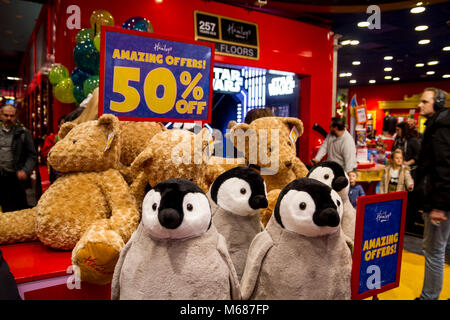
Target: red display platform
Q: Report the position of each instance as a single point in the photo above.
(45, 274)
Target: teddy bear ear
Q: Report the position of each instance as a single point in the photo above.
(231, 124)
(293, 122)
(65, 128)
(109, 121)
(139, 162)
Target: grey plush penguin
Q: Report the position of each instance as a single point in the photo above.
(302, 253)
(238, 195)
(176, 252)
(333, 175)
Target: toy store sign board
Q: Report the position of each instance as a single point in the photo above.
(232, 37)
(377, 256)
(149, 77)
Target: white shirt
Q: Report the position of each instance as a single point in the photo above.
(339, 149)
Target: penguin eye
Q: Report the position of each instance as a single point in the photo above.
(338, 203)
(189, 207)
(326, 176)
(302, 206)
(243, 191)
(154, 206)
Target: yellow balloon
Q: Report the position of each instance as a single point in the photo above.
(97, 42)
(101, 18)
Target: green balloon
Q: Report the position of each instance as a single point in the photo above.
(64, 91)
(97, 42)
(78, 94)
(90, 84)
(57, 74)
(84, 34)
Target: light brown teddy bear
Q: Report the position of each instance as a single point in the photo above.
(174, 153)
(268, 144)
(89, 209)
(134, 138)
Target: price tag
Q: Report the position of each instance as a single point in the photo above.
(146, 76)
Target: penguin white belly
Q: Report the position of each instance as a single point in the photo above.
(175, 270)
(299, 267)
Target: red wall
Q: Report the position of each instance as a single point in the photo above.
(385, 92)
(285, 45)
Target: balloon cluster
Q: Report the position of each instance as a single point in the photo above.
(84, 78)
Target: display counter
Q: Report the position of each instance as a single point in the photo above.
(369, 178)
(45, 274)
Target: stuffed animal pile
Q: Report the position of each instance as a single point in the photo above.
(90, 209)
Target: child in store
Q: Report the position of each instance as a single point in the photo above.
(396, 176)
(355, 189)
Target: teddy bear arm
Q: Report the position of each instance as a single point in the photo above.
(124, 213)
(299, 168)
(18, 226)
(137, 188)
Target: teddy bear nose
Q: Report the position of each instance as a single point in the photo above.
(328, 217)
(258, 202)
(170, 218)
(288, 164)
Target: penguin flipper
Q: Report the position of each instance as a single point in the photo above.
(258, 250)
(234, 280)
(115, 284)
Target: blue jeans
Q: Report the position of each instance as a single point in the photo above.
(435, 242)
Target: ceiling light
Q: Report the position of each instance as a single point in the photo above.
(388, 69)
(417, 10)
(388, 57)
(432, 63)
(363, 24)
(421, 28)
(447, 48)
(345, 42)
(13, 78)
(424, 41)
(354, 42)
(345, 74)
(372, 81)
(388, 77)
(353, 81)
(396, 78)
(419, 65)
(356, 63)
(419, 3)
(430, 72)
(446, 76)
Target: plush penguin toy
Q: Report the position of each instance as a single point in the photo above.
(176, 252)
(302, 253)
(333, 175)
(238, 195)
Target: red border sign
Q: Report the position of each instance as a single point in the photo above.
(153, 36)
(390, 209)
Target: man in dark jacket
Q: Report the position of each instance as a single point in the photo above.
(433, 184)
(17, 160)
(8, 286)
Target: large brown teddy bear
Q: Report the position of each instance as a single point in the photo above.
(269, 138)
(89, 209)
(174, 153)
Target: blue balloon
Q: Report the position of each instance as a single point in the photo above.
(78, 94)
(79, 76)
(139, 24)
(86, 57)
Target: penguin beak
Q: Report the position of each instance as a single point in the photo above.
(170, 218)
(258, 202)
(328, 217)
(339, 183)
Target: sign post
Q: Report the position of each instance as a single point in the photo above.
(377, 256)
(145, 76)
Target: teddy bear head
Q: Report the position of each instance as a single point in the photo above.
(89, 146)
(268, 142)
(135, 136)
(175, 153)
